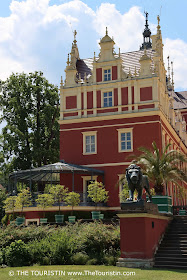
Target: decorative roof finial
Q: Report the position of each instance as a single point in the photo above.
(146, 21)
(68, 62)
(61, 82)
(158, 19)
(119, 52)
(172, 74)
(168, 69)
(75, 33)
(106, 31)
(94, 56)
(146, 35)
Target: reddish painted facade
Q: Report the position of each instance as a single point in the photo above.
(107, 132)
(146, 94)
(124, 96)
(112, 100)
(114, 73)
(90, 100)
(143, 244)
(99, 74)
(71, 102)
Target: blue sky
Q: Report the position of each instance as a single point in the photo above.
(37, 34)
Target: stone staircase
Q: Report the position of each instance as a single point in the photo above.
(172, 252)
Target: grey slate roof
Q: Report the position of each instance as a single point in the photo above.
(130, 60)
(180, 100)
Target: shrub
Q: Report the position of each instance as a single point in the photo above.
(93, 243)
(80, 258)
(40, 251)
(12, 233)
(17, 254)
(92, 262)
(98, 240)
(62, 251)
(58, 248)
(1, 257)
(4, 220)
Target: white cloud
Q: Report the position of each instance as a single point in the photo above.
(125, 28)
(37, 36)
(177, 51)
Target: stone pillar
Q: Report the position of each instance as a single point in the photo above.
(141, 228)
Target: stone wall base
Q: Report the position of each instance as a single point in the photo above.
(135, 263)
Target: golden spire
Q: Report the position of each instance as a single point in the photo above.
(75, 33)
(172, 74)
(158, 26)
(94, 56)
(61, 82)
(106, 31)
(168, 69)
(68, 62)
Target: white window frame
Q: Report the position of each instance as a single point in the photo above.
(107, 74)
(124, 130)
(27, 221)
(102, 97)
(89, 133)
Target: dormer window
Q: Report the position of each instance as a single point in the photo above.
(107, 74)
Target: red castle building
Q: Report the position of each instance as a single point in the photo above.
(112, 104)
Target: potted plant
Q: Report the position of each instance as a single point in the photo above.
(44, 201)
(161, 168)
(10, 204)
(97, 193)
(72, 199)
(22, 200)
(58, 192)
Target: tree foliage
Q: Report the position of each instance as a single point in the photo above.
(44, 201)
(30, 107)
(2, 202)
(72, 199)
(97, 192)
(59, 193)
(10, 204)
(162, 167)
(23, 199)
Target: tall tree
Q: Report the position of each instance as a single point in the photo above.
(30, 109)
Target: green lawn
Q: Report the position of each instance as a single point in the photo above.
(63, 272)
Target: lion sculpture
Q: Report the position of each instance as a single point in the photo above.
(137, 181)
